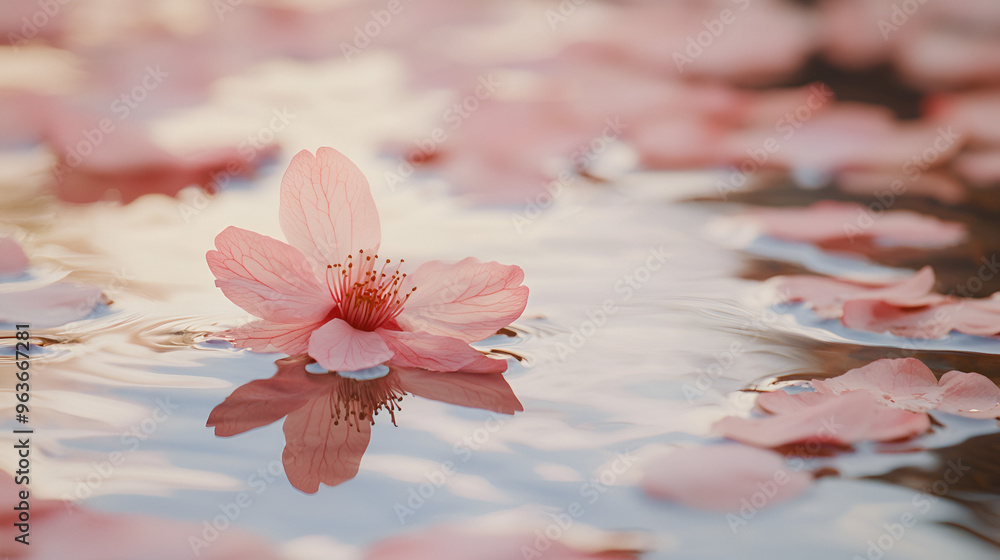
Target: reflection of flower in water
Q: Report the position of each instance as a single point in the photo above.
(328, 417)
(356, 400)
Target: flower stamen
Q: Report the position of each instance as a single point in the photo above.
(367, 298)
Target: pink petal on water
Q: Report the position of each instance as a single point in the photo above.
(904, 383)
(456, 543)
(722, 477)
(842, 420)
(468, 300)
(49, 306)
(827, 296)
(13, 261)
(969, 394)
(829, 220)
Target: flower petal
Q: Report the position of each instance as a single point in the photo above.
(267, 278)
(326, 208)
(720, 477)
(268, 336)
(829, 220)
(901, 383)
(438, 353)
(832, 419)
(339, 346)
(969, 394)
(469, 300)
(13, 261)
(321, 448)
(49, 306)
(827, 296)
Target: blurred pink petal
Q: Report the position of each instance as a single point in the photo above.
(980, 168)
(829, 220)
(267, 278)
(13, 261)
(969, 394)
(468, 300)
(841, 420)
(980, 317)
(848, 44)
(908, 384)
(904, 383)
(756, 43)
(327, 210)
(49, 306)
(121, 161)
(946, 57)
(60, 530)
(723, 477)
(975, 114)
(456, 543)
(827, 296)
(936, 185)
(846, 136)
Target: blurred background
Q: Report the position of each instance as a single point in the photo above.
(725, 142)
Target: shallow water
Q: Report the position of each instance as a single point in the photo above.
(593, 383)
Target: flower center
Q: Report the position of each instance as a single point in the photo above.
(367, 290)
(355, 401)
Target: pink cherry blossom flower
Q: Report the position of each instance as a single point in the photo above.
(328, 293)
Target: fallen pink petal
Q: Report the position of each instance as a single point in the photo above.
(826, 420)
(908, 384)
(724, 477)
(829, 221)
(13, 261)
(49, 306)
